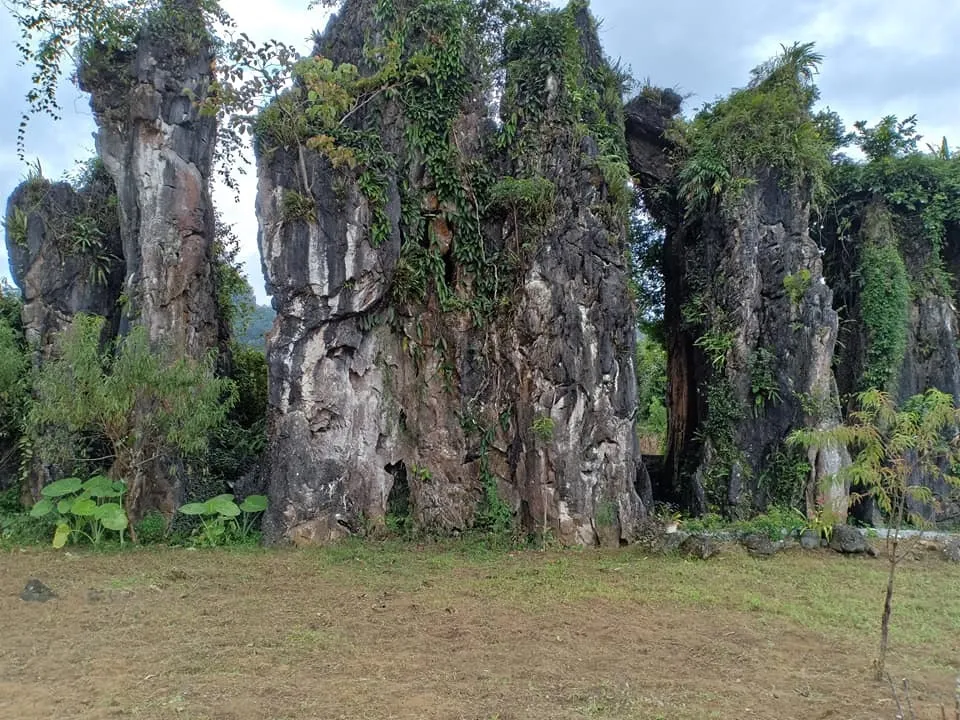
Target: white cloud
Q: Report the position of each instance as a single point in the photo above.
(882, 57)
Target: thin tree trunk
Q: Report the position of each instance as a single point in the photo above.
(892, 547)
(885, 623)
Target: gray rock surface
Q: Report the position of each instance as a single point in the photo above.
(730, 320)
(36, 591)
(158, 147)
(951, 551)
(760, 545)
(848, 540)
(370, 395)
(810, 539)
(65, 255)
(700, 547)
(68, 258)
(932, 328)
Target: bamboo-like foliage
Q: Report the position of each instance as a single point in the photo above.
(896, 452)
(138, 399)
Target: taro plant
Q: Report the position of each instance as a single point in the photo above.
(222, 518)
(83, 509)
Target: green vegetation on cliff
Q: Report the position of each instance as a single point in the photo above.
(769, 125)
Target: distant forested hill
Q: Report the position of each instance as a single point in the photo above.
(260, 321)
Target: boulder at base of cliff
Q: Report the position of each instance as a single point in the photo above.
(848, 540)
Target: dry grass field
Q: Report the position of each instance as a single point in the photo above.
(368, 630)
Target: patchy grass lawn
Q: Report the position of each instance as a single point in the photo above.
(447, 631)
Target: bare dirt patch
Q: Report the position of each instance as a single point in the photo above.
(368, 631)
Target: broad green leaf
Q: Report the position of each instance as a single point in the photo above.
(254, 503)
(66, 486)
(65, 505)
(194, 509)
(61, 535)
(84, 507)
(220, 505)
(112, 516)
(100, 486)
(44, 507)
(97, 481)
(220, 498)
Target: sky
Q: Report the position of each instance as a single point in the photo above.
(881, 57)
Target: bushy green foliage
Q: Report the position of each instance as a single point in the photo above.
(297, 206)
(776, 523)
(886, 229)
(494, 515)
(15, 226)
(920, 190)
(235, 298)
(550, 77)
(889, 138)
(15, 378)
(784, 478)
(646, 270)
(543, 427)
(724, 412)
(768, 124)
(138, 399)
(764, 385)
(796, 284)
(237, 443)
(716, 345)
(531, 196)
(651, 370)
(54, 35)
(16, 525)
(151, 529)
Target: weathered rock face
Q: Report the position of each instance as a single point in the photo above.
(750, 332)
(65, 255)
(385, 384)
(158, 148)
(768, 345)
(918, 346)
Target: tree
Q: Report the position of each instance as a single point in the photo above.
(141, 403)
(58, 36)
(895, 449)
(889, 138)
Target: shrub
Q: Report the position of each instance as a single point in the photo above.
(138, 402)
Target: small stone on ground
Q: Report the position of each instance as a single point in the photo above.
(36, 591)
(700, 547)
(951, 552)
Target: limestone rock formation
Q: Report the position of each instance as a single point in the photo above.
(158, 147)
(902, 332)
(769, 345)
(141, 253)
(749, 323)
(454, 332)
(65, 254)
